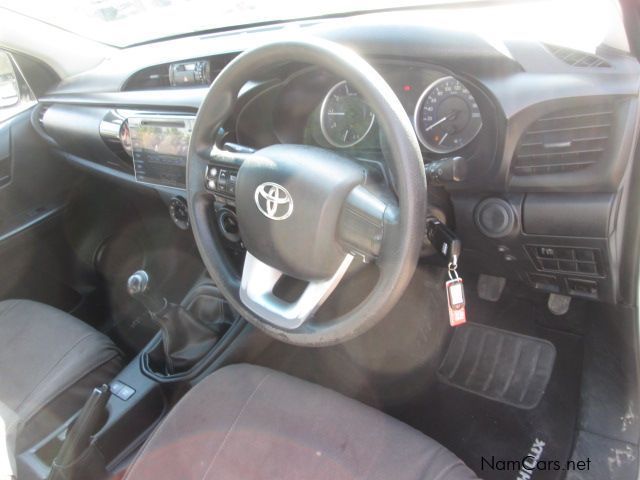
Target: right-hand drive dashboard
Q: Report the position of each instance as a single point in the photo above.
(527, 154)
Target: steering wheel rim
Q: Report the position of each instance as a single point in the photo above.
(404, 226)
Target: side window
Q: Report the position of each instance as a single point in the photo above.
(15, 94)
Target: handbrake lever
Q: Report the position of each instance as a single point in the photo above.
(79, 434)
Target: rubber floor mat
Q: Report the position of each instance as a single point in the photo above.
(486, 434)
(503, 366)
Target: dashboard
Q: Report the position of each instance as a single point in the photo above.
(545, 142)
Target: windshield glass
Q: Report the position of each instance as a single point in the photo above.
(125, 22)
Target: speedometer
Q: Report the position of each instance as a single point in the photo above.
(345, 118)
(447, 116)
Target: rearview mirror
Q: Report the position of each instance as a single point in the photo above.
(9, 89)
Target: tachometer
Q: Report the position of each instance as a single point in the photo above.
(447, 116)
(345, 118)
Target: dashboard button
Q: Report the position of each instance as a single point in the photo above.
(122, 390)
(546, 252)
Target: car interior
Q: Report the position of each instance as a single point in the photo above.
(357, 240)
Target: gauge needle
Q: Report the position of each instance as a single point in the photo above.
(451, 116)
(335, 113)
(346, 134)
(443, 137)
(433, 125)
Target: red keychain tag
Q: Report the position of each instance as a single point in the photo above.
(455, 299)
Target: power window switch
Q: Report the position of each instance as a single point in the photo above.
(116, 387)
(122, 390)
(127, 392)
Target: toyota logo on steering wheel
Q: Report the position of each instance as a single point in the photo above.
(273, 201)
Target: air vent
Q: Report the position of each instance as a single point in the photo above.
(576, 58)
(566, 140)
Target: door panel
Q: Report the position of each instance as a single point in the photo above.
(5, 156)
(32, 184)
(34, 187)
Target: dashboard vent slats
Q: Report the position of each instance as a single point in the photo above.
(576, 58)
(567, 140)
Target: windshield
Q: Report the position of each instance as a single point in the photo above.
(123, 23)
(126, 22)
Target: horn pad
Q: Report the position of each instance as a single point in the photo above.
(288, 201)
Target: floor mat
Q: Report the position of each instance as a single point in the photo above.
(492, 437)
(499, 365)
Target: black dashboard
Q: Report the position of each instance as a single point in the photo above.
(545, 133)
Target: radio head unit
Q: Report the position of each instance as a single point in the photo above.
(160, 145)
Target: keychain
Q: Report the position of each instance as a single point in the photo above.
(455, 296)
(447, 244)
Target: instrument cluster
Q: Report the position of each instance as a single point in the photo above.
(451, 114)
(446, 116)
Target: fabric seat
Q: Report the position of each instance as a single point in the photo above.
(49, 362)
(247, 422)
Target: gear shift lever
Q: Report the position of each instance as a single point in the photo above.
(185, 340)
(138, 288)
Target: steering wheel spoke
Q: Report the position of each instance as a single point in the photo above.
(257, 293)
(361, 227)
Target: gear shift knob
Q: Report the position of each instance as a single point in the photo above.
(185, 340)
(138, 287)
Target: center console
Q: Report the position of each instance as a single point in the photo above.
(158, 145)
(123, 414)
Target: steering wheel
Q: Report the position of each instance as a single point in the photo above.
(307, 212)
